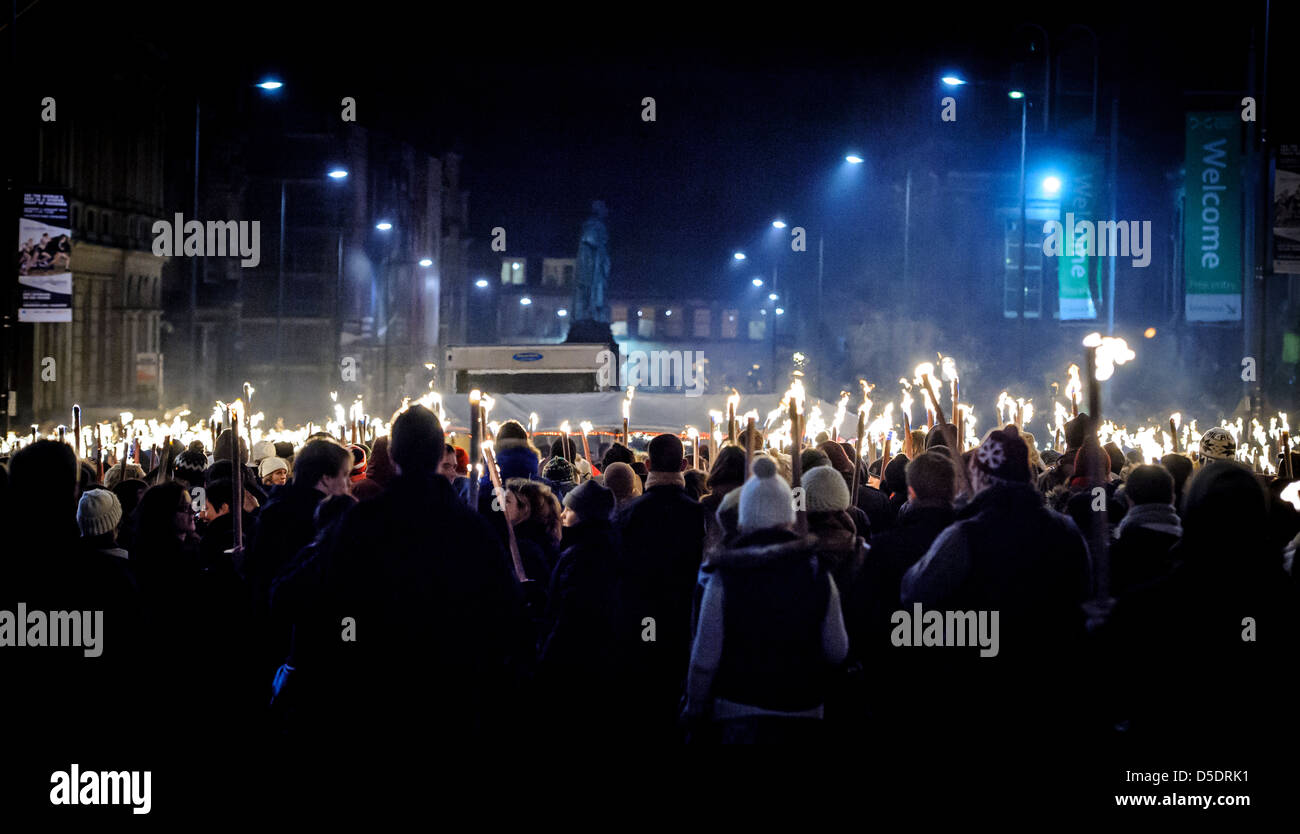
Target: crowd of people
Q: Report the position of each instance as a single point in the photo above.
(374, 595)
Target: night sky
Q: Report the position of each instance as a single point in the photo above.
(755, 110)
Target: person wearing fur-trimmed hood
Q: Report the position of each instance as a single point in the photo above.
(770, 631)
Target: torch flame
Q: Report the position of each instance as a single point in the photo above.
(948, 368)
(1110, 352)
(1073, 387)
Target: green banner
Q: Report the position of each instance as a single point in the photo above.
(1076, 267)
(1212, 217)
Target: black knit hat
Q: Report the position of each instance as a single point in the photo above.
(896, 474)
(591, 501)
(559, 470)
(666, 453)
(190, 466)
(1004, 455)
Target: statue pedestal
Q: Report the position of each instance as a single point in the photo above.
(590, 332)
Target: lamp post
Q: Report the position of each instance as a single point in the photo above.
(1020, 296)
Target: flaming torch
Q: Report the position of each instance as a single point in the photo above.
(499, 493)
(475, 444)
(924, 372)
(586, 450)
(237, 484)
(733, 402)
(1072, 388)
(694, 436)
(948, 371)
(627, 412)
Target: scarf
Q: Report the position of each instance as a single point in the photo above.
(1158, 517)
(655, 479)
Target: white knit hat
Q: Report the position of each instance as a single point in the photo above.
(98, 512)
(765, 500)
(263, 450)
(824, 490)
(1217, 444)
(269, 465)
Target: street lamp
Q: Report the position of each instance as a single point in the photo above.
(758, 282)
(778, 224)
(426, 262)
(740, 256)
(338, 174)
(384, 226)
(481, 283)
(953, 80)
(270, 85)
(854, 159)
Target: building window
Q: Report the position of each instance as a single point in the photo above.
(645, 323)
(702, 328)
(730, 324)
(1034, 260)
(757, 329)
(514, 271)
(674, 323)
(557, 272)
(618, 320)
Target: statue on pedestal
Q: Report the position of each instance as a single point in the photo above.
(591, 278)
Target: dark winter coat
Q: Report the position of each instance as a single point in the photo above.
(438, 619)
(840, 548)
(1202, 655)
(876, 505)
(537, 550)
(662, 533)
(576, 662)
(874, 596)
(1009, 554)
(284, 526)
(1143, 551)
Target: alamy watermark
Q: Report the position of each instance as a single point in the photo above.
(106, 787)
(216, 238)
(653, 369)
(1084, 238)
(946, 628)
(24, 628)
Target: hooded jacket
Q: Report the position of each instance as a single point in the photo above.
(770, 630)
